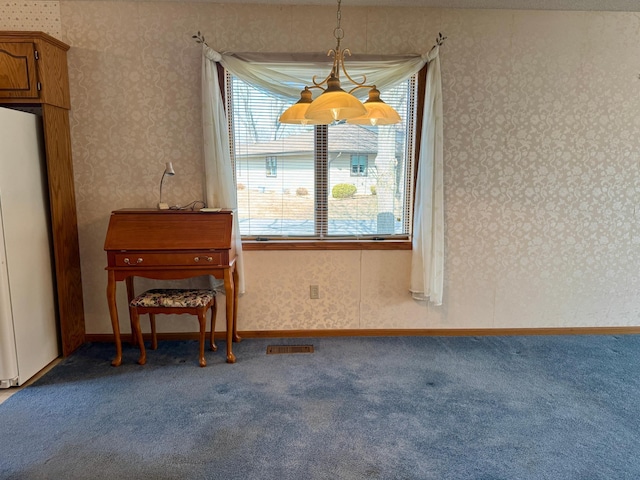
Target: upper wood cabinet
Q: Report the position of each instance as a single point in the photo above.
(33, 73)
(33, 69)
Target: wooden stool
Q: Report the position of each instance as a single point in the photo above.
(177, 301)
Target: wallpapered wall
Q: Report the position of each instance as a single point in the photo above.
(542, 180)
(43, 16)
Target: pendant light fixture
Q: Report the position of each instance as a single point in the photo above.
(336, 104)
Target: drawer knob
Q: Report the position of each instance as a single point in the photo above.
(128, 262)
(208, 259)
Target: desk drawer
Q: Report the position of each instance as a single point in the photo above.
(145, 259)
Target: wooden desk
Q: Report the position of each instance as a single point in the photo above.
(171, 245)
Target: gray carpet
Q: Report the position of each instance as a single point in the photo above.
(560, 407)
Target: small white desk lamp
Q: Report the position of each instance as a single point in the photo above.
(167, 171)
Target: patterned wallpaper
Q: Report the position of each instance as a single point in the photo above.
(42, 16)
(542, 171)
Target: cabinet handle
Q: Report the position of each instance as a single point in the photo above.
(128, 262)
(209, 259)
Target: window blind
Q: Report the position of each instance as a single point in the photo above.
(297, 181)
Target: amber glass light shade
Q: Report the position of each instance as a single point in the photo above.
(378, 112)
(334, 104)
(295, 114)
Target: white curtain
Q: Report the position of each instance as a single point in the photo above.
(219, 185)
(427, 261)
(286, 75)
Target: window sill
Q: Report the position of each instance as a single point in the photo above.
(253, 245)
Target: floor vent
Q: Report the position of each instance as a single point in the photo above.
(274, 349)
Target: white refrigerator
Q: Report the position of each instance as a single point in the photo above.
(28, 328)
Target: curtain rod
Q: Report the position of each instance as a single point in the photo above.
(199, 38)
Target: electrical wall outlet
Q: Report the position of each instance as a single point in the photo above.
(314, 292)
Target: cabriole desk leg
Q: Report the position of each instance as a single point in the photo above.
(113, 311)
(236, 337)
(229, 293)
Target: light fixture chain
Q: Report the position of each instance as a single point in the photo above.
(338, 33)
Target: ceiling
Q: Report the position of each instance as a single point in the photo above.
(598, 5)
(576, 5)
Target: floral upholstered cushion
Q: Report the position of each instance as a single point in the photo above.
(175, 297)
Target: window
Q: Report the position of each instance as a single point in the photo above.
(339, 181)
(359, 165)
(272, 166)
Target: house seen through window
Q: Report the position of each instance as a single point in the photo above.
(324, 181)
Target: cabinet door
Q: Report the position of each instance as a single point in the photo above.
(18, 75)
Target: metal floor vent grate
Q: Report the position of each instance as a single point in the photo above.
(274, 349)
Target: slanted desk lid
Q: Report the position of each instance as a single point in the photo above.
(135, 229)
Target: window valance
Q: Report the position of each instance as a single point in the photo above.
(286, 74)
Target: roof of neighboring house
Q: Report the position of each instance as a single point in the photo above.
(348, 138)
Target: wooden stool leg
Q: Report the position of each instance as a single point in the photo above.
(202, 318)
(137, 334)
(154, 338)
(214, 311)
